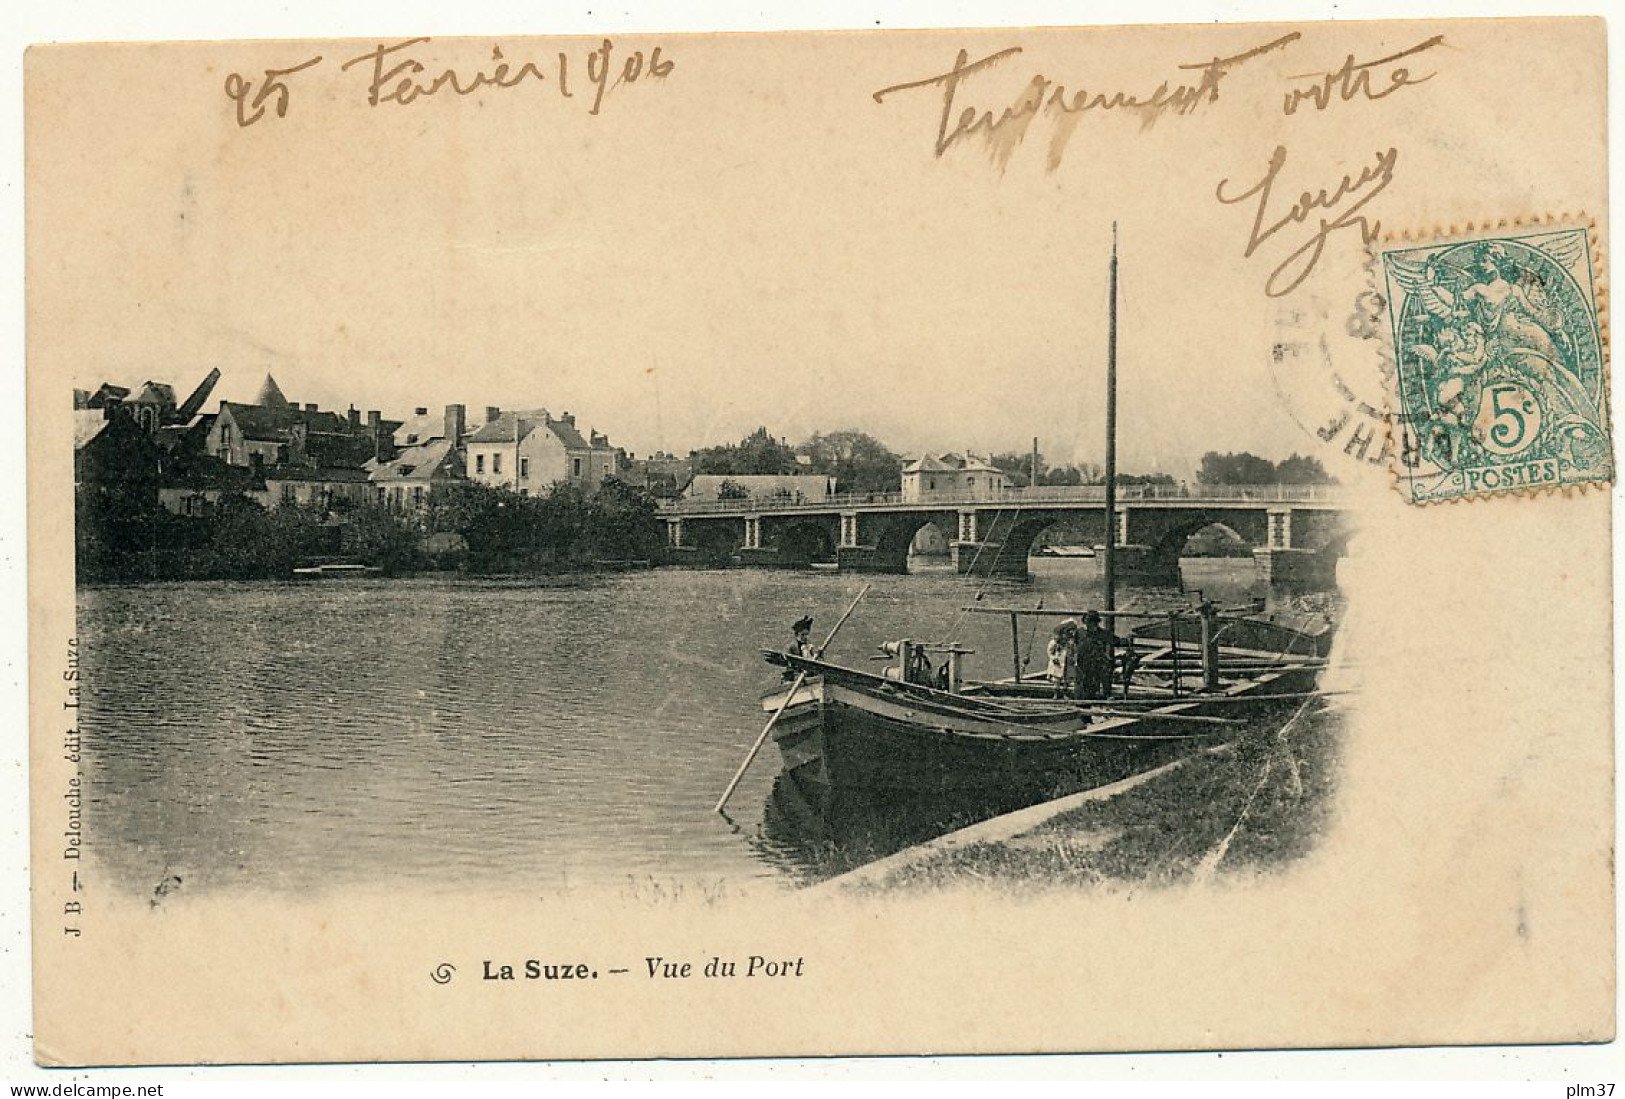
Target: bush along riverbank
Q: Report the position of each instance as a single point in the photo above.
(467, 527)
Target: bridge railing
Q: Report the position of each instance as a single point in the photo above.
(1041, 494)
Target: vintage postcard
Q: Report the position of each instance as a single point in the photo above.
(820, 543)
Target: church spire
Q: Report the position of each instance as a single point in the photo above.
(270, 395)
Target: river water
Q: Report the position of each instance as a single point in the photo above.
(459, 732)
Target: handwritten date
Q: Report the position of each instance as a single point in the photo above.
(251, 103)
(396, 76)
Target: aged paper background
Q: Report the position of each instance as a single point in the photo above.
(1465, 893)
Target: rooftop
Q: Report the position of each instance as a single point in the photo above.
(508, 426)
(420, 462)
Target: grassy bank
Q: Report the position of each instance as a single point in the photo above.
(1256, 804)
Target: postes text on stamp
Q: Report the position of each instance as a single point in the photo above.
(1499, 363)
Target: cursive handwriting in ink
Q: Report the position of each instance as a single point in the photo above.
(949, 81)
(250, 111)
(396, 74)
(1341, 206)
(1352, 80)
(1001, 128)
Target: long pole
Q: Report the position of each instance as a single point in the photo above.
(790, 694)
(1111, 441)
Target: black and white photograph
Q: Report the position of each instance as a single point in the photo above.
(535, 532)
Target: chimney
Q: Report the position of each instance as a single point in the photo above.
(569, 418)
(383, 446)
(420, 412)
(310, 407)
(491, 413)
(374, 420)
(455, 416)
(354, 417)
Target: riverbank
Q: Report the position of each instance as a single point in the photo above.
(1252, 805)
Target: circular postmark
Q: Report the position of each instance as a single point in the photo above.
(1327, 362)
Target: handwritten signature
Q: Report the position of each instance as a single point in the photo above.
(399, 78)
(1340, 203)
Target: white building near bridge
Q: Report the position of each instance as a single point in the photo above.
(960, 476)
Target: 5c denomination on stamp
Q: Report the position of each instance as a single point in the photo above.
(1499, 362)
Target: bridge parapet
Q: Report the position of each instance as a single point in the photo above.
(1041, 496)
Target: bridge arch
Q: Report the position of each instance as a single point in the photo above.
(1019, 534)
(884, 538)
(894, 536)
(1170, 544)
(1219, 534)
(803, 540)
(713, 541)
(931, 540)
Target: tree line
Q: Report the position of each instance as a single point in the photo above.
(119, 538)
(858, 462)
(1242, 468)
(862, 463)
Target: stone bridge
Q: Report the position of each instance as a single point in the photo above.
(1297, 531)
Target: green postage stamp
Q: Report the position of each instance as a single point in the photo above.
(1499, 363)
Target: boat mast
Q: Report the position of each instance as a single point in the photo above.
(1110, 570)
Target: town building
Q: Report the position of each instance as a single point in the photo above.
(115, 462)
(422, 426)
(153, 408)
(171, 467)
(529, 451)
(956, 476)
(105, 394)
(303, 454)
(313, 485)
(407, 483)
(429, 456)
(661, 474)
(193, 484)
(276, 431)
